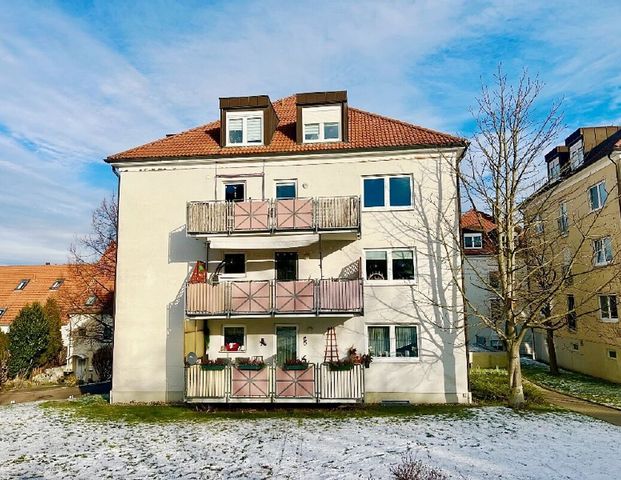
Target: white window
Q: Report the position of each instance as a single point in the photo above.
(576, 155)
(57, 284)
(597, 196)
(602, 251)
(393, 341)
(473, 240)
(286, 189)
(608, 308)
(393, 264)
(392, 192)
(22, 284)
(538, 223)
(563, 219)
(234, 338)
(90, 301)
(322, 124)
(244, 128)
(554, 170)
(234, 265)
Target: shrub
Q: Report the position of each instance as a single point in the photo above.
(4, 358)
(102, 362)
(51, 356)
(410, 469)
(28, 340)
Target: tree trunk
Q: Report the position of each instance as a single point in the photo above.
(551, 352)
(516, 391)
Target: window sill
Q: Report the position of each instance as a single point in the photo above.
(388, 283)
(232, 276)
(609, 320)
(600, 265)
(396, 360)
(331, 140)
(387, 209)
(224, 350)
(232, 145)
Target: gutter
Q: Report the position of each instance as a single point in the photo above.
(618, 174)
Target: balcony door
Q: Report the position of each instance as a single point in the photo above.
(286, 343)
(286, 266)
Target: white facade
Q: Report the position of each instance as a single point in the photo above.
(81, 347)
(156, 255)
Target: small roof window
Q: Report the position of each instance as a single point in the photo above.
(22, 284)
(90, 301)
(2, 310)
(57, 283)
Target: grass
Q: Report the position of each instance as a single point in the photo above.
(97, 408)
(491, 387)
(576, 384)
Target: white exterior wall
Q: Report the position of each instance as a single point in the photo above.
(155, 257)
(80, 350)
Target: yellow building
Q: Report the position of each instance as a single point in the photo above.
(579, 212)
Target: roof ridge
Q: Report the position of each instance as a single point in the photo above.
(407, 124)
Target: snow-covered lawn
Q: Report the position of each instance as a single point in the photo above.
(491, 443)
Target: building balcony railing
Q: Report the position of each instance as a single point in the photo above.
(261, 216)
(274, 297)
(272, 384)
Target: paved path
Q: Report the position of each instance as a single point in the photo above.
(32, 395)
(601, 412)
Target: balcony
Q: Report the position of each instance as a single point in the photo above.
(274, 297)
(274, 384)
(324, 214)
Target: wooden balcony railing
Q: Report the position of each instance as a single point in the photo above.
(273, 297)
(296, 214)
(317, 383)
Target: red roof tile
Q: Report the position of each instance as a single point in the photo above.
(366, 131)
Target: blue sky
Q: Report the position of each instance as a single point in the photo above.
(82, 80)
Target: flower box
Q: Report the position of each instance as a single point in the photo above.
(300, 366)
(249, 367)
(212, 367)
(340, 368)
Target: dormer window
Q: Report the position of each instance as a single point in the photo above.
(57, 284)
(90, 301)
(22, 284)
(244, 128)
(576, 155)
(322, 124)
(2, 310)
(473, 241)
(554, 170)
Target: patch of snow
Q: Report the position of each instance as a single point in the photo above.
(492, 443)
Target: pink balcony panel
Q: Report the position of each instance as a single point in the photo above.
(250, 383)
(295, 383)
(250, 297)
(294, 214)
(251, 215)
(296, 296)
(340, 295)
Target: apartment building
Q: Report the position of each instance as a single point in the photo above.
(258, 251)
(578, 210)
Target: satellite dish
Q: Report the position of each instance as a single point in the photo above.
(191, 358)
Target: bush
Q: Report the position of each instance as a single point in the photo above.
(410, 469)
(492, 385)
(51, 356)
(4, 358)
(28, 340)
(102, 362)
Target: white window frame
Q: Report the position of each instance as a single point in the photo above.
(235, 182)
(599, 196)
(57, 284)
(608, 319)
(234, 276)
(563, 219)
(293, 181)
(322, 139)
(244, 116)
(610, 357)
(554, 170)
(596, 263)
(22, 284)
(538, 225)
(390, 280)
(386, 178)
(244, 346)
(576, 155)
(473, 235)
(393, 343)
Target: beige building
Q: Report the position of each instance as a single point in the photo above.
(579, 212)
(256, 251)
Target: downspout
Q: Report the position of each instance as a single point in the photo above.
(116, 273)
(618, 174)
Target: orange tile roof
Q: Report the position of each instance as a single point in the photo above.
(476, 221)
(367, 131)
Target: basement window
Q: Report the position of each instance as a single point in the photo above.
(612, 354)
(22, 284)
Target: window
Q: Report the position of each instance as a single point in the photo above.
(234, 192)
(554, 170)
(576, 155)
(602, 251)
(244, 128)
(495, 309)
(393, 191)
(311, 131)
(473, 240)
(22, 284)
(608, 308)
(286, 189)
(612, 354)
(597, 196)
(571, 313)
(57, 284)
(538, 225)
(563, 219)
(107, 332)
(331, 131)
(234, 338)
(234, 264)
(286, 266)
(479, 340)
(2, 310)
(390, 264)
(567, 264)
(575, 346)
(393, 341)
(322, 123)
(90, 301)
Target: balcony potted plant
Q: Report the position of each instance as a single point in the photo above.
(249, 364)
(217, 364)
(295, 364)
(366, 358)
(341, 365)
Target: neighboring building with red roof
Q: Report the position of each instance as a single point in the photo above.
(284, 232)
